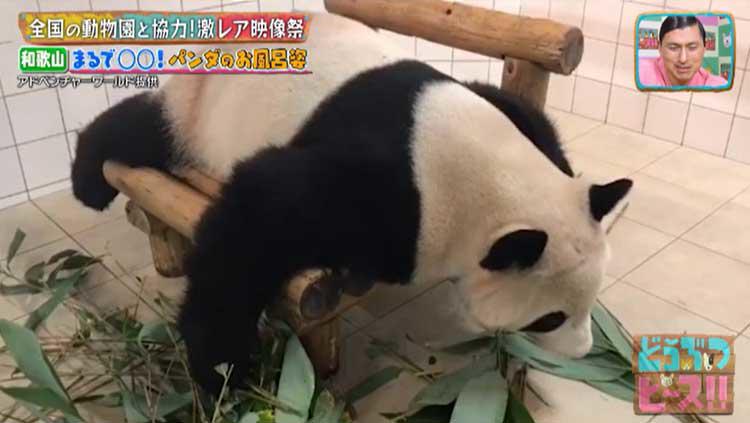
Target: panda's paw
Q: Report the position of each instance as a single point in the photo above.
(97, 195)
(89, 185)
(212, 377)
(213, 367)
(214, 351)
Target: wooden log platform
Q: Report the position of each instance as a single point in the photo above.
(553, 46)
(167, 207)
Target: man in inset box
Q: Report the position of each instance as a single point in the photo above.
(682, 44)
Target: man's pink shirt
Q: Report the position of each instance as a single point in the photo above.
(652, 72)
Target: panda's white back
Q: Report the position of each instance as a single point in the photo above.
(268, 109)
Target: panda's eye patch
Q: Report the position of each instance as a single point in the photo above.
(546, 323)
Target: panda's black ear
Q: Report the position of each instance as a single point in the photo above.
(604, 198)
(521, 248)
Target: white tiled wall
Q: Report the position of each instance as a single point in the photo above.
(38, 127)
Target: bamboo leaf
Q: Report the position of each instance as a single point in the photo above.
(373, 383)
(430, 414)
(34, 274)
(601, 342)
(41, 397)
(113, 399)
(611, 329)
(171, 402)
(154, 332)
(604, 367)
(622, 388)
(78, 261)
(61, 255)
(28, 355)
(15, 245)
(19, 289)
(327, 409)
(41, 313)
(250, 417)
(468, 347)
(137, 408)
(483, 399)
(446, 388)
(517, 411)
(296, 384)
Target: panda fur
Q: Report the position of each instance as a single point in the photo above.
(375, 164)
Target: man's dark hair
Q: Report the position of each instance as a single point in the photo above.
(678, 22)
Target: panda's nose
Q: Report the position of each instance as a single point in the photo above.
(546, 323)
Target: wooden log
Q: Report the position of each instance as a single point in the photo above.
(525, 80)
(137, 217)
(289, 308)
(322, 345)
(172, 202)
(207, 184)
(554, 46)
(168, 248)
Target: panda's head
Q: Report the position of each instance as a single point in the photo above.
(542, 276)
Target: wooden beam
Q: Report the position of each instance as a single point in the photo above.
(207, 184)
(168, 247)
(552, 45)
(526, 80)
(169, 200)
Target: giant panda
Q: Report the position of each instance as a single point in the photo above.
(374, 164)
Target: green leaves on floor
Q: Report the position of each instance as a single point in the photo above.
(140, 367)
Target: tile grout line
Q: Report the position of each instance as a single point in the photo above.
(645, 112)
(73, 238)
(614, 62)
(575, 74)
(394, 309)
(675, 304)
(3, 197)
(583, 134)
(632, 172)
(15, 143)
(27, 91)
(638, 91)
(679, 237)
(696, 244)
(617, 125)
(660, 138)
(734, 113)
(687, 119)
(65, 129)
(653, 136)
(48, 184)
(35, 140)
